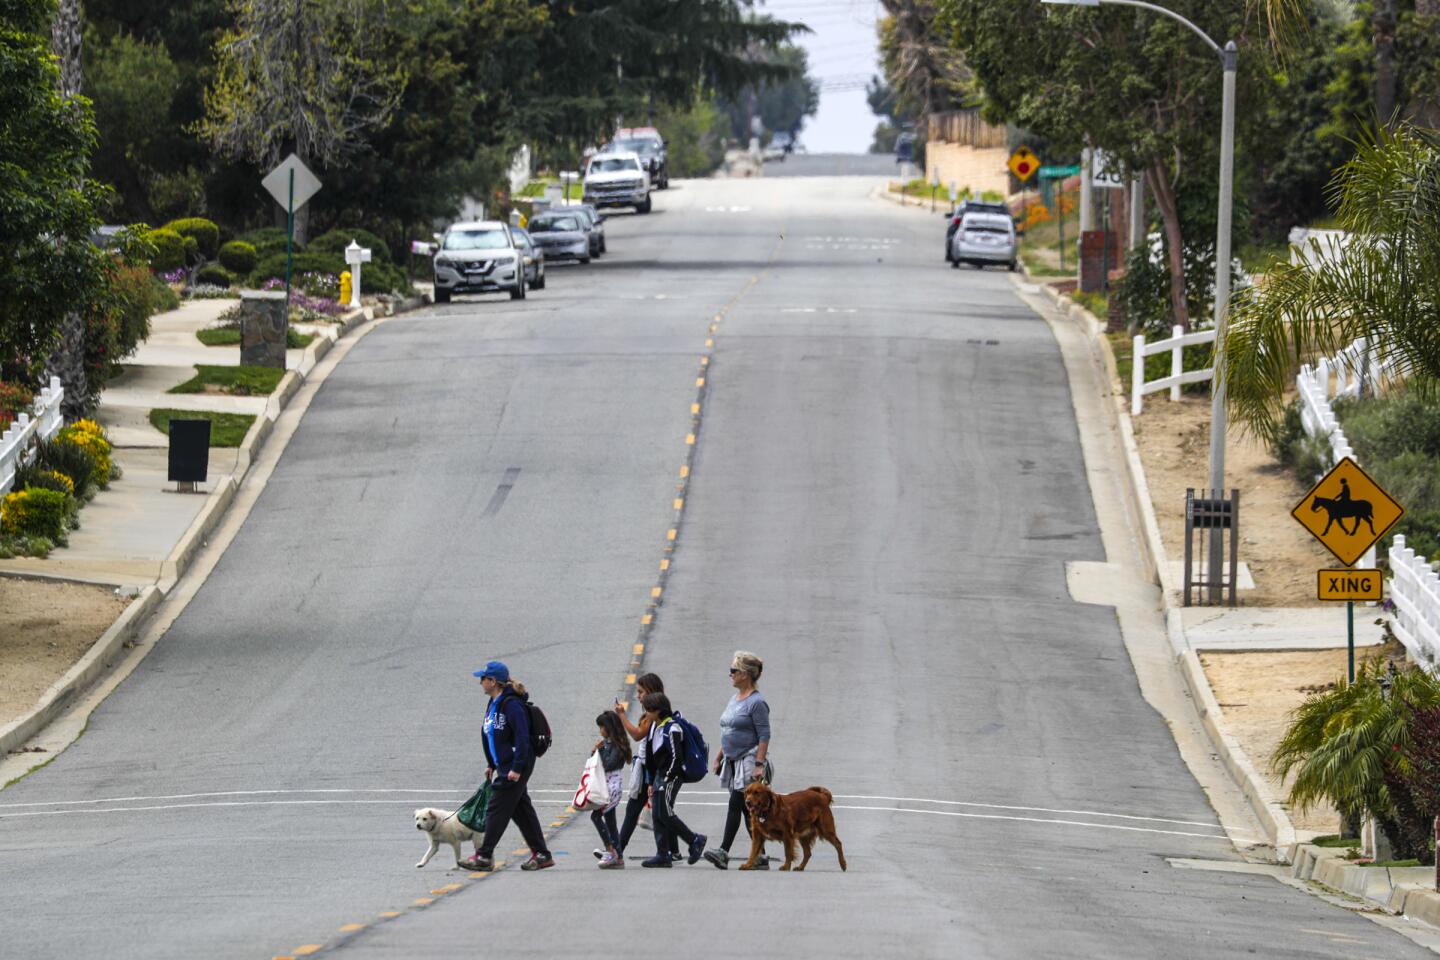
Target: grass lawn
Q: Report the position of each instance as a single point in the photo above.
(236, 381)
(230, 337)
(1335, 840)
(226, 429)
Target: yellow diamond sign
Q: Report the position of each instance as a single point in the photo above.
(1024, 164)
(1347, 511)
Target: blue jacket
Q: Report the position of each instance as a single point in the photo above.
(507, 734)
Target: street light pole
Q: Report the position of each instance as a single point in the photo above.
(1229, 56)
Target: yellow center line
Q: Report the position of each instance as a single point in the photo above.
(352, 927)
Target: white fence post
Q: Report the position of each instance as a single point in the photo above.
(1177, 361)
(1137, 374)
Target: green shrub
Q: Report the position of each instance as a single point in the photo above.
(238, 257)
(1292, 429)
(1383, 428)
(267, 240)
(1421, 529)
(204, 232)
(272, 266)
(213, 273)
(75, 462)
(30, 475)
(35, 512)
(169, 250)
(162, 296)
(335, 241)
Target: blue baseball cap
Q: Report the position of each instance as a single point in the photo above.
(495, 670)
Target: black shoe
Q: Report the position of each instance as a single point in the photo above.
(538, 861)
(657, 861)
(675, 856)
(478, 863)
(697, 848)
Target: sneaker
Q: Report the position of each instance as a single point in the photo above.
(659, 860)
(612, 862)
(477, 862)
(538, 861)
(675, 856)
(762, 862)
(718, 857)
(697, 848)
(599, 853)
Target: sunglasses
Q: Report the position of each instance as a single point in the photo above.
(735, 670)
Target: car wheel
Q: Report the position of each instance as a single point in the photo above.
(442, 296)
(955, 263)
(604, 247)
(643, 207)
(585, 259)
(519, 292)
(1014, 266)
(539, 283)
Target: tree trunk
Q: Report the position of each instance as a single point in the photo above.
(1158, 179)
(67, 360)
(1383, 23)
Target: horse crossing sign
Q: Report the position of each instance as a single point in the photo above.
(1347, 511)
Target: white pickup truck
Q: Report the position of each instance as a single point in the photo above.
(617, 180)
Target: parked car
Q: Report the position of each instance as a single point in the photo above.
(985, 238)
(955, 216)
(617, 180)
(597, 226)
(480, 256)
(561, 234)
(534, 258)
(646, 143)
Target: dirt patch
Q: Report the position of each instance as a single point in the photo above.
(1174, 442)
(44, 629)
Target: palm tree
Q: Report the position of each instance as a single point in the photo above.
(1348, 746)
(1384, 285)
(926, 73)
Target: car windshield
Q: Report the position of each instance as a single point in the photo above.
(522, 239)
(637, 146)
(476, 240)
(555, 225)
(613, 164)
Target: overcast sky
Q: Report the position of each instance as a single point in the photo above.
(843, 53)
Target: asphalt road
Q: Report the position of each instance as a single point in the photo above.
(886, 487)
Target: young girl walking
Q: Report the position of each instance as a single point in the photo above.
(614, 747)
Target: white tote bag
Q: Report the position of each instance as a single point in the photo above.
(594, 790)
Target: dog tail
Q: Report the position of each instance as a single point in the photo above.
(829, 797)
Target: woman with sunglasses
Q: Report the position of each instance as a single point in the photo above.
(744, 742)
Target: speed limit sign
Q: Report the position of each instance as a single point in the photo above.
(1105, 172)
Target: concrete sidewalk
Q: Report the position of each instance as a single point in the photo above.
(1278, 628)
(127, 532)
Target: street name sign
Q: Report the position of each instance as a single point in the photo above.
(1346, 584)
(1347, 511)
(1023, 163)
(277, 183)
(1059, 173)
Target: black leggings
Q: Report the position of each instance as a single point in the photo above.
(733, 817)
(633, 808)
(668, 826)
(604, 821)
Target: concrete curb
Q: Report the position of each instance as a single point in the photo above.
(1408, 891)
(70, 687)
(1266, 807)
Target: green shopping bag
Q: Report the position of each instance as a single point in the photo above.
(472, 814)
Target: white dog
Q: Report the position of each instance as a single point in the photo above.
(442, 826)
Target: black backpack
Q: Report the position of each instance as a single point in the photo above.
(539, 730)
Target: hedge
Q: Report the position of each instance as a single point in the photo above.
(169, 250)
(204, 232)
(35, 512)
(375, 277)
(214, 273)
(238, 257)
(335, 241)
(267, 240)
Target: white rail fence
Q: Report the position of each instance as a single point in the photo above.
(18, 442)
(1175, 346)
(1349, 369)
(1415, 591)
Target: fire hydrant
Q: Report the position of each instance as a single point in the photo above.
(345, 286)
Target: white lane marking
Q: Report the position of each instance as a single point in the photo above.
(838, 806)
(466, 792)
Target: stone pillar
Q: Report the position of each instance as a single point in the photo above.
(264, 327)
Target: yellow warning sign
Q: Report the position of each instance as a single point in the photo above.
(1347, 511)
(1024, 164)
(1346, 584)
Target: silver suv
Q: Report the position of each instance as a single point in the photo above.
(481, 256)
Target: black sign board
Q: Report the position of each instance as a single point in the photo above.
(189, 450)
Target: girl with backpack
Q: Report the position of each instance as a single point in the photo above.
(665, 760)
(744, 742)
(639, 792)
(510, 761)
(614, 749)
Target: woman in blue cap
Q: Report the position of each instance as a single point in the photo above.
(509, 763)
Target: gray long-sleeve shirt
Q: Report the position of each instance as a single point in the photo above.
(744, 725)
